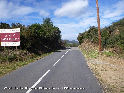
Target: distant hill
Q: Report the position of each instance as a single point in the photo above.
(72, 43)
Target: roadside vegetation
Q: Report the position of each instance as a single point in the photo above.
(37, 41)
(112, 36)
(108, 64)
(22, 58)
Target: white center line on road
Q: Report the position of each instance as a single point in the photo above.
(62, 56)
(30, 89)
(40, 79)
(56, 62)
(66, 52)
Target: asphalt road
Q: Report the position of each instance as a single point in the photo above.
(64, 71)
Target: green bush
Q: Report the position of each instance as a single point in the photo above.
(37, 38)
(108, 53)
(12, 57)
(111, 37)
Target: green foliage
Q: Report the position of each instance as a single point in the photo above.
(112, 36)
(80, 38)
(91, 35)
(12, 57)
(4, 26)
(108, 53)
(91, 53)
(5, 68)
(38, 38)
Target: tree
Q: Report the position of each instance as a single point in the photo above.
(4, 26)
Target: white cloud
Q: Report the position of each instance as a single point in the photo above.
(72, 8)
(9, 9)
(44, 13)
(115, 11)
(4, 9)
(90, 21)
(70, 30)
(23, 10)
(14, 10)
(71, 36)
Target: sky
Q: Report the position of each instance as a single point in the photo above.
(71, 16)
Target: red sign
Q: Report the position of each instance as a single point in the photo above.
(10, 37)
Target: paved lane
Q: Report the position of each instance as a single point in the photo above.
(65, 71)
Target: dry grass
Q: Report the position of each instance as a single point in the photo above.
(6, 67)
(108, 69)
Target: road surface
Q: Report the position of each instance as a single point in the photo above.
(64, 71)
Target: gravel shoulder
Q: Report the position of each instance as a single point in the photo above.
(109, 70)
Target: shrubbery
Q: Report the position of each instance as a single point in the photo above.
(112, 36)
(37, 38)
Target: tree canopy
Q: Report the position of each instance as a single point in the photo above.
(38, 37)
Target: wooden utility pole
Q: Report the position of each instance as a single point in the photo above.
(98, 21)
(0, 39)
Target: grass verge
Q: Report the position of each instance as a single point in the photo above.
(6, 67)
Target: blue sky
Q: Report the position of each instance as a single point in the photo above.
(71, 16)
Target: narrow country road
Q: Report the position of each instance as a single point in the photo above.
(64, 71)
